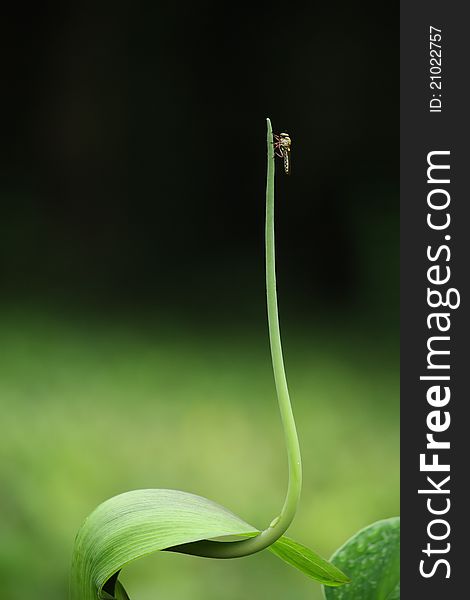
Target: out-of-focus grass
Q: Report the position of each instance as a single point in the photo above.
(91, 409)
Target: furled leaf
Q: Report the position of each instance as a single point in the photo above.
(371, 558)
(137, 523)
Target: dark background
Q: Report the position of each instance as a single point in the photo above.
(133, 155)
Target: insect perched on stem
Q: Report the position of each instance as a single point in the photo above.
(282, 149)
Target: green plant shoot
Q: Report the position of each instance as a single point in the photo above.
(137, 523)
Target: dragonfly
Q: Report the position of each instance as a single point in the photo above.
(282, 149)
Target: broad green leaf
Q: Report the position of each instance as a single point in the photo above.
(137, 523)
(371, 558)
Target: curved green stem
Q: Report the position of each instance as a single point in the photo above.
(213, 549)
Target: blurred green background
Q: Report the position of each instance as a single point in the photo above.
(92, 408)
(134, 348)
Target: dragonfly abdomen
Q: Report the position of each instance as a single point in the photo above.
(286, 155)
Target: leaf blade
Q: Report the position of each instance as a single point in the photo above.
(371, 558)
(308, 562)
(137, 523)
